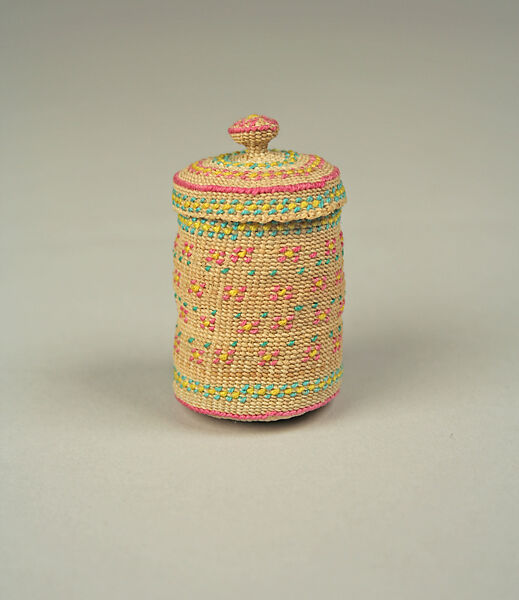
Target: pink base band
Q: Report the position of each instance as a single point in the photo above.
(263, 417)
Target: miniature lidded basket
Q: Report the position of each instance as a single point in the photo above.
(258, 280)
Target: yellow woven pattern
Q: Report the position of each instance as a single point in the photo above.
(257, 170)
(270, 228)
(275, 207)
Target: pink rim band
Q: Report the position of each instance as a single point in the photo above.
(263, 417)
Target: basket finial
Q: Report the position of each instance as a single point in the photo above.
(254, 132)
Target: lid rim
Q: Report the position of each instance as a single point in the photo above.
(261, 209)
(294, 187)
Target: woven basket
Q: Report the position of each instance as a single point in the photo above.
(258, 280)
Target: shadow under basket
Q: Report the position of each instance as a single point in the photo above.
(258, 280)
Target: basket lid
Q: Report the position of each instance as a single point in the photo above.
(258, 184)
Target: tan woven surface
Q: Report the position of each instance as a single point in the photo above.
(255, 133)
(259, 326)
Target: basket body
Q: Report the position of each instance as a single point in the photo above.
(259, 330)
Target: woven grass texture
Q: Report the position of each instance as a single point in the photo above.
(259, 333)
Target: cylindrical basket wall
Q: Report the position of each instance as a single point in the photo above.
(258, 280)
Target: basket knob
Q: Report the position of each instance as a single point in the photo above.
(254, 132)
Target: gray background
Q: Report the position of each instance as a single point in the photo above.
(406, 486)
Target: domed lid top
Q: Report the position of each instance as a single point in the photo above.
(258, 184)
